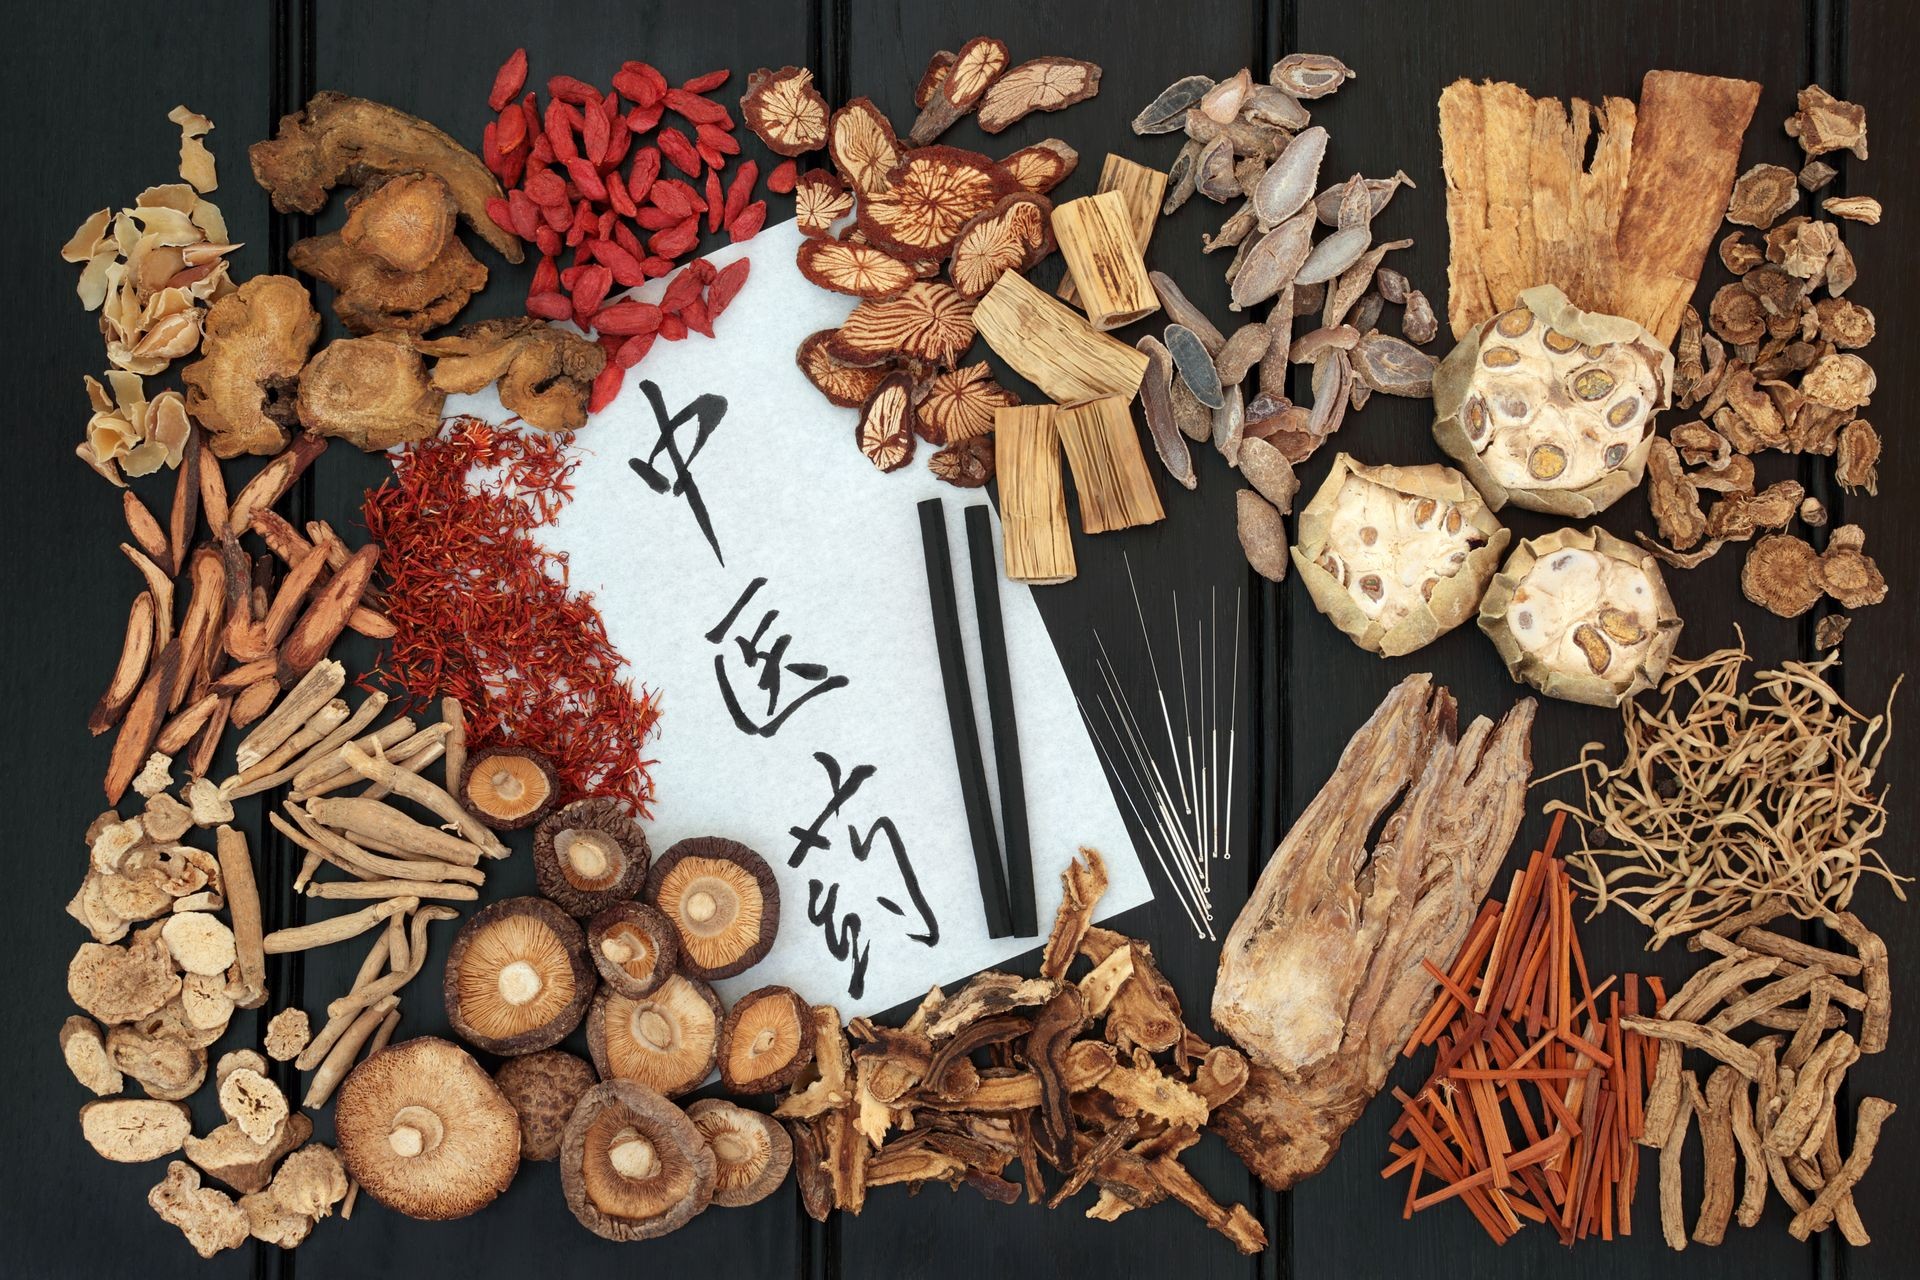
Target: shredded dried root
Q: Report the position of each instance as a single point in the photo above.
(1735, 799)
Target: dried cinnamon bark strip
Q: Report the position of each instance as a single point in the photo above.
(243, 677)
(1866, 1135)
(265, 636)
(146, 531)
(326, 617)
(135, 649)
(184, 516)
(271, 482)
(160, 583)
(142, 723)
(200, 754)
(1717, 1150)
(213, 488)
(243, 908)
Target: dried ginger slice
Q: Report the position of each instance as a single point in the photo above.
(855, 268)
(1626, 235)
(959, 404)
(1042, 84)
(862, 145)
(848, 386)
(885, 430)
(1011, 236)
(785, 111)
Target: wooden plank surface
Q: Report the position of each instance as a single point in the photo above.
(94, 88)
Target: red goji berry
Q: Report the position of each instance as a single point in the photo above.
(628, 317)
(542, 152)
(719, 139)
(681, 290)
(606, 387)
(559, 216)
(695, 314)
(675, 241)
(549, 241)
(545, 188)
(726, 285)
(702, 269)
(501, 211)
(595, 135)
(618, 197)
(587, 178)
(693, 107)
(546, 276)
(656, 266)
(673, 328)
(783, 177)
(490, 149)
(694, 203)
(674, 146)
(748, 224)
(708, 82)
(711, 158)
(740, 190)
(633, 350)
(590, 287)
(607, 218)
(653, 218)
(716, 201)
(625, 267)
(670, 197)
(646, 167)
(513, 130)
(549, 306)
(640, 82)
(524, 214)
(559, 131)
(641, 119)
(624, 237)
(619, 140)
(572, 89)
(508, 80)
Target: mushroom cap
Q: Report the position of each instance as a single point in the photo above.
(632, 1164)
(589, 855)
(724, 901)
(634, 947)
(766, 1042)
(544, 1088)
(751, 1152)
(509, 787)
(517, 977)
(667, 1040)
(426, 1131)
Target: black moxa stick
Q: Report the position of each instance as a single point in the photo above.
(1006, 730)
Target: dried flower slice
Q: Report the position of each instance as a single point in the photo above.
(929, 196)
(785, 111)
(820, 199)
(1011, 236)
(1043, 84)
(863, 147)
(967, 464)
(958, 404)
(1041, 167)
(885, 430)
(846, 385)
(929, 321)
(1782, 575)
(853, 267)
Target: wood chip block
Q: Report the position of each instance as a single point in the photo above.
(1109, 470)
(1033, 499)
(1143, 189)
(1052, 345)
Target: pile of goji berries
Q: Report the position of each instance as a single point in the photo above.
(567, 190)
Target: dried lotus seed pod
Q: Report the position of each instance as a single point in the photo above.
(1397, 555)
(1581, 615)
(1551, 408)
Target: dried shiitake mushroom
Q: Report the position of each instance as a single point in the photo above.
(509, 787)
(667, 1040)
(590, 855)
(751, 1152)
(1551, 408)
(424, 1129)
(632, 1164)
(1581, 615)
(1396, 556)
(545, 374)
(544, 1088)
(372, 392)
(634, 947)
(766, 1042)
(242, 388)
(517, 977)
(723, 899)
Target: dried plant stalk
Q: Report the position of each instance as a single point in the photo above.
(1727, 799)
(1098, 238)
(1053, 346)
(1143, 189)
(1110, 472)
(243, 908)
(1033, 500)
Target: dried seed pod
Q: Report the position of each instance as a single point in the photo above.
(1309, 75)
(1581, 615)
(785, 111)
(1552, 408)
(1419, 325)
(1327, 205)
(752, 1153)
(1782, 575)
(632, 1165)
(1289, 181)
(930, 194)
(634, 947)
(1825, 123)
(1242, 352)
(667, 1040)
(1274, 263)
(1011, 236)
(1390, 365)
(509, 787)
(862, 146)
(1334, 254)
(1167, 113)
(1263, 535)
(1269, 105)
(589, 855)
(1194, 419)
(1157, 406)
(1761, 195)
(965, 464)
(1230, 425)
(1221, 104)
(1180, 178)
(855, 268)
(1041, 167)
(1269, 472)
(767, 1041)
(1395, 556)
(517, 977)
(1042, 84)
(820, 199)
(724, 900)
(885, 429)
(1213, 171)
(928, 320)
(1191, 358)
(849, 386)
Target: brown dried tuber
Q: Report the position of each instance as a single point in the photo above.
(242, 388)
(545, 373)
(372, 392)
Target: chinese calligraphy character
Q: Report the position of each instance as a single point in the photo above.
(706, 411)
(770, 660)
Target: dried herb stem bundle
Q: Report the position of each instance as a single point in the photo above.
(1728, 800)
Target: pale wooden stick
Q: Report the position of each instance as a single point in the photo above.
(363, 715)
(1037, 544)
(1143, 190)
(1053, 346)
(328, 764)
(1096, 237)
(370, 967)
(313, 691)
(425, 794)
(243, 910)
(383, 821)
(351, 890)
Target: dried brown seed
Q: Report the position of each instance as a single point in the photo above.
(1194, 419)
(1156, 404)
(1309, 75)
(854, 267)
(1275, 262)
(1825, 123)
(1396, 368)
(1289, 182)
(1761, 195)
(1043, 84)
(885, 429)
(1334, 254)
(785, 111)
(1242, 352)
(1214, 176)
(1196, 366)
(1263, 535)
(1167, 112)
(1327, 204)
(1782, 575)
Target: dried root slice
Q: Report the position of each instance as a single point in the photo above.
(766, 1042)
(862, 145)
(1848, 574)
(854, 267)
(209, 1218)
(751, 1151)
(959, 404)
(634, 947)
(1041, 167)
(724, 901)
(667, 1040)
(590, 855)
(847, 385)
(517, 977)
(241, 390)
(961, 86)
(1782, 575)
(135, 1130)
(1012, 236)
(965, 464)
(632, 1165)
(1762, 195)
(509, 787)
(930, 194)
(543, 1089)
(820, 199)
(1825, 123)
(929, 321)
(886, 428)
(785, 111)
(929, 82)
(1042, 84)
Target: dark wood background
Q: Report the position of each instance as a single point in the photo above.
(89, 87)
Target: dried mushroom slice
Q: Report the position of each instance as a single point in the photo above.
(1042, 84)
(509, 787)
(543, 1089)
(634, 947)
(1041, 167)
(1396, 556)
(965, 464)
(517, 977)
(846, 385)
(1011, 236)
(425, 1131)
(632, 1165)
(820, 199)
(589, 855)
(928, 321)
(958, 404)
(722, 898)
(667, 1040)
(854, 267)
(886, 427)
(1581, 615)
(751, 1152)
(785, 111)
(930, 194)
(766, 1042)
(862, 146)
(1552, 408)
